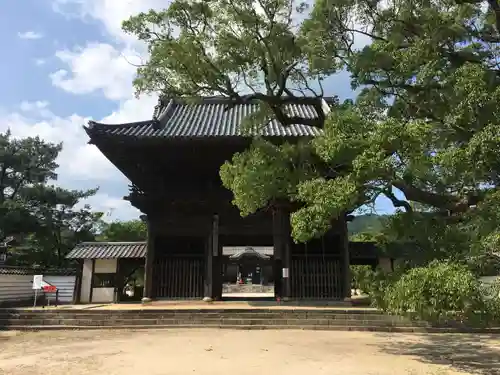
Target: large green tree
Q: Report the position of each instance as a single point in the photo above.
(426, 122)
(45, 220)
(124, 231)
(62, 223)
(25, 164)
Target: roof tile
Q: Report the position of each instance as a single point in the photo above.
(108, 250)
(209, 118)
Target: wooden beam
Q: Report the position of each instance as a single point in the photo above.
(92, 281)
(282, 252)
(77, 290)
(346, 264)
(148, 264)
(217, 259)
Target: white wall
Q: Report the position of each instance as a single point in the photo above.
(105, 265)
(86, 281)
(65, 285)
(103, 295)
(14, 288)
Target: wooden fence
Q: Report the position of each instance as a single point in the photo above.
(316, 277)
(179, 277)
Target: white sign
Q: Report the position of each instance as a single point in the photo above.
(285, 273)
(37, 281)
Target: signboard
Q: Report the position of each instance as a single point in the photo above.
(48, 288)
(285, 273)
(37, 282)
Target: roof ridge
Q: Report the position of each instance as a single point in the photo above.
(216, 99)
(111, 242)
(93, 124)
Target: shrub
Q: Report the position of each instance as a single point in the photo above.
(491, 296)
(360, 276)
(374, 283)
(433, 291)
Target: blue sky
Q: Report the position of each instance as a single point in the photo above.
(68, 63)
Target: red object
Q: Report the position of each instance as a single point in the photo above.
(49, 289)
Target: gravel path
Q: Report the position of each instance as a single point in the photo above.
(205, 351)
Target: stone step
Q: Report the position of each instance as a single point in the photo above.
(191, 322)
(204, 316)
(409, 329)
(180, 310)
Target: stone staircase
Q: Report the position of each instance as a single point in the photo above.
(257, 318)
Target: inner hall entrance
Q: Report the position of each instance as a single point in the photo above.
(247, 272)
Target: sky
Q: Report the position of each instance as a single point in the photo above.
(69, 62)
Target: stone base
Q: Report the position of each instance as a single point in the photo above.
(146, 300)
(208, 299)
(348, 300)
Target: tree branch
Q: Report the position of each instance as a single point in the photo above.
(452, 203)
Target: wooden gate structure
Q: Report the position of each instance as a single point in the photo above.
(173, 162)
(179, 277)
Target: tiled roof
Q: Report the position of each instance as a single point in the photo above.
(12, 270)
(210, 117)
(232, 250)
(108, 250)
(249, 252)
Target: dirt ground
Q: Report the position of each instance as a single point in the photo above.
(204, 351)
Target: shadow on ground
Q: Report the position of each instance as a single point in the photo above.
(475, 354)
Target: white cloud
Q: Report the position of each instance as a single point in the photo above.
(114, 208)
(96, 67)
(30, 106)
(80, 163)
(40, 62)
(29, 35)
(110, 13)
(78, 160)
(133, 110)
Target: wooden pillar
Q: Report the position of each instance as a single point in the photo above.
(118, 281)
(213, 272)
(77, 290)
(282, 252)
(217, 260)
(92, 275)
(148, 264)
(346, 264)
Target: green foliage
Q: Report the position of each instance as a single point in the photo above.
(124, 231)
(24, 165)
(266, 173)
(367, 223)
(46, 219)
(360, 275)
(434, 291)
(223, 47)
(376, 283)
(425, 121)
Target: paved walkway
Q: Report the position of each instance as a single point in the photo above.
(216, 352)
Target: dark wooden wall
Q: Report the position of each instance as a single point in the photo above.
(177, 185)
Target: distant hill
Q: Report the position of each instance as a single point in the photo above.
(366, 223)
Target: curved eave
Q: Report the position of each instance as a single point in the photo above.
(249, 254)
(96, 129)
